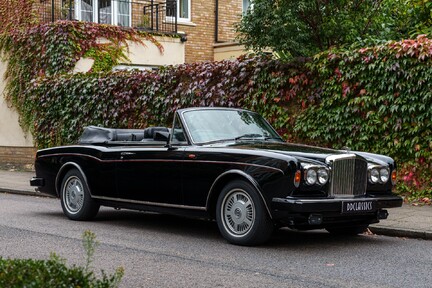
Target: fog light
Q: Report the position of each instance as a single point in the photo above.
(315, 219)
(382, 214)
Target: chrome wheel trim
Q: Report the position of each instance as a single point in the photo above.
(73, 195)
(238, 213)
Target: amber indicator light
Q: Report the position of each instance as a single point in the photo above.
(297, 178)
(394, 176)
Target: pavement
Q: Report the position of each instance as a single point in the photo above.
(408, 221)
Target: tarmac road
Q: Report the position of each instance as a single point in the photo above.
(166, 251)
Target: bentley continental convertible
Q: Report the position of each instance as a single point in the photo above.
(222, 164)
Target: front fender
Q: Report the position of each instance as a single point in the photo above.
(224, 179)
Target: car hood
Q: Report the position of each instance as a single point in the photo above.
(289, 149)
(305, 152)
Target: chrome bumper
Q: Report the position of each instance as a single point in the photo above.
(297, 205)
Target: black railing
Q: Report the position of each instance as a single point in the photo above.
(149, 15)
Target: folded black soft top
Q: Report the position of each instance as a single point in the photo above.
(99, 135)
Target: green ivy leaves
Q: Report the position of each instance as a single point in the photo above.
(52, 49)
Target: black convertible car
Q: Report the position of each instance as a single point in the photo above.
(224, 164)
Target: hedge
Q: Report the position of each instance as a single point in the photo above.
(55, 273)
(50, 273)
(137, 99)
(375, 99)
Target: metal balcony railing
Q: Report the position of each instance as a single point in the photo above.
(149, 15)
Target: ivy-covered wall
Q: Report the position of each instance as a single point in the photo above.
(376, 99)
(52, 49)
(137, 99)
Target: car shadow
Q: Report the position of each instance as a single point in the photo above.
(286, 237)
(204, 229)
(179, 225)
(163, 223)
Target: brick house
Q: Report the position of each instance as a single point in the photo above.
(208, 25)
(206, 28)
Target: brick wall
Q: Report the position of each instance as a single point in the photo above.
(201, 36)
(17, 157)
(200, 31)
(229, 14)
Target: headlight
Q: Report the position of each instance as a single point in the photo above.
(378, 174)
(311, 177)
(384, 175)
(374, 175)
(315, 174)
(323, 176)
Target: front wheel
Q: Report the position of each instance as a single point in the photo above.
(241, 215)
(76, 201)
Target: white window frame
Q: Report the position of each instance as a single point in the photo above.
(114, 12)
(179, 19)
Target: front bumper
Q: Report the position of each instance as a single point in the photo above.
(297, 205)
(316, 213)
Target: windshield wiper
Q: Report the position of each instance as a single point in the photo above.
(250, 136)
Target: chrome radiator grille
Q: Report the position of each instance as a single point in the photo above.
(348, 175)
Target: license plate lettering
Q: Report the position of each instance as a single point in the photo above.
(358, 206)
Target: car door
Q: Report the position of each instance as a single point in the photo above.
(201, 168)
(150, 175)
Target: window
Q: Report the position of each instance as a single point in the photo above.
(181, 8)
(178, 135)
(247, 4)
(116, 12)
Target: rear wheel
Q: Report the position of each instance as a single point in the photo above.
(241, 215)
(348, 230)
(76, 201)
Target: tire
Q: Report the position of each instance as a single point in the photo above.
(241, 215)
(76, 201)
(347, 230)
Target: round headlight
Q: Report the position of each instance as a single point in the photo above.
(311, 177)
(323, 176)
(374, 175)
(384, 175)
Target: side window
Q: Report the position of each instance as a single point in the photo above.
(178, 135)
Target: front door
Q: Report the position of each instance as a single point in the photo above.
(150, 174)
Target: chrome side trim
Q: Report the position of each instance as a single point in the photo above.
(165, 160)
(250, 179)
(70, 154)
(338, 200)
(150, 203)
(67, 164)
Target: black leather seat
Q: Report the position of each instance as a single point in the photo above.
(149, 132)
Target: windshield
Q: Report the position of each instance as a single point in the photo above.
(213, 125)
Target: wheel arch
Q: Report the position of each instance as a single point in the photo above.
(62, 172)
(222, 180)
